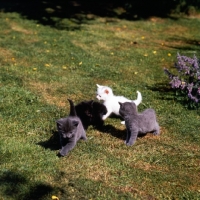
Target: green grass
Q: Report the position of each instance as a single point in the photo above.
(42, 66)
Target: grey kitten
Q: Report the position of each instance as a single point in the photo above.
(138, 123)
(70, 130)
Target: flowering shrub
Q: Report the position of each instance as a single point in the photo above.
(187, 82)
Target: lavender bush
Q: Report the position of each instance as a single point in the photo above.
(187, 82)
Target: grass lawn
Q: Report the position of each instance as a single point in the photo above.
(41, 66)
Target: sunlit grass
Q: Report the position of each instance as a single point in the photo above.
(42, 66)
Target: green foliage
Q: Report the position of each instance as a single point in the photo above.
(140, 9)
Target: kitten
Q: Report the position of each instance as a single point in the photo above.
(70, 130)
(105, 93)
(138, 123)
(90, 113)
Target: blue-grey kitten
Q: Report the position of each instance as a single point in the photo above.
(138, 123)
(70, 130)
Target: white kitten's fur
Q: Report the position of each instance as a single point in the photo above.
(111, 101)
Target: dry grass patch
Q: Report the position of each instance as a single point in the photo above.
(138, 194)
(6, 56)
(176, 30)
(145, 166)
(103, 45)
(48, 92)
(45, 90)
(16, 27)
(94, 46)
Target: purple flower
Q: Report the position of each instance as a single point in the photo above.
(198, 91)
(195, 99)
(188, 78)
(186, 64)
(190, 87)
(175, 82)
(196, 63)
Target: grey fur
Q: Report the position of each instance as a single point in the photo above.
(70, 130)
(138, 123)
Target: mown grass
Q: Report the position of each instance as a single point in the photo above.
(42, 66)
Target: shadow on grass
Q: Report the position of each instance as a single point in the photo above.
(165, 92)
(109, 129)
(169, 94)
(53, 143)
(185, 44)
(117, 133)
(56, 12)
(16, 186)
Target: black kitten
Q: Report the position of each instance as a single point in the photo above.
(90, 113)
(70, 130)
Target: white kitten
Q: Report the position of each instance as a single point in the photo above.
(111, 101)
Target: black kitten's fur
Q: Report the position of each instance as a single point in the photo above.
(90, 113)
(70, 130)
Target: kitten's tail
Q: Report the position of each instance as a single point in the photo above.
(72, 108)
(139, 99)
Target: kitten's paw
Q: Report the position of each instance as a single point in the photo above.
(127, 143)
(59, 155)
(123, 122)
(130, 143)
(156, 133)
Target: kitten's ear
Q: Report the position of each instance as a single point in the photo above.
(91, 102)
(75, 122)
(98, 86)
(106, 91)
(60, 122)
(120, 103)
